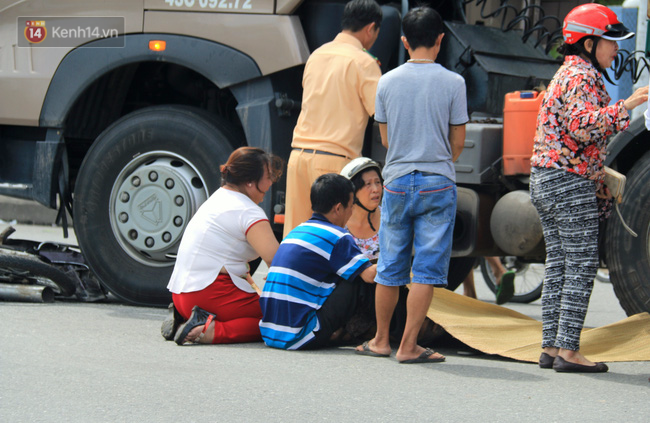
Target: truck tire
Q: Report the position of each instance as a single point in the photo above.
(24, 266)
(138, 186)
(628, 258)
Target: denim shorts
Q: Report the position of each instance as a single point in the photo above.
(417, 215)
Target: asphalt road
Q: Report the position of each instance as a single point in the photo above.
(106, 362)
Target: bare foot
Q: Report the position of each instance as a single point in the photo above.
(377, 349)
(551, 351)
(194, 336)
(410, 355)
(575, 357)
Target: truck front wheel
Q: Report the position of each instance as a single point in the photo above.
(628, 258)
(140, 183)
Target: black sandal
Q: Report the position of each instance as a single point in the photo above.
(171, 323)
(199, 317)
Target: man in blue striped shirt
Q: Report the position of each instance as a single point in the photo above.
(312, 287)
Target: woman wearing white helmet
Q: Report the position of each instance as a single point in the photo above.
(365, 174)
(363, 225)
(566, 182)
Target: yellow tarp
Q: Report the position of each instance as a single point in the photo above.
(493, 329)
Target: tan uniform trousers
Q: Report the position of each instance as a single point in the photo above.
(302, 170)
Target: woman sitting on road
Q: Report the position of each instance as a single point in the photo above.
(363, 225)
(365, 175)
(211, 287)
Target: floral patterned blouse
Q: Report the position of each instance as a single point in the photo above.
(368, 246)
(575, 120)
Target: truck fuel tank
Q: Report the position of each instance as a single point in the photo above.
(515, 225)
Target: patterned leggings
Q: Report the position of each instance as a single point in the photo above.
(566, 204)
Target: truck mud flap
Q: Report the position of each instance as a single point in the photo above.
(466, 227)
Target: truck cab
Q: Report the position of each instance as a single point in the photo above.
(121, 112)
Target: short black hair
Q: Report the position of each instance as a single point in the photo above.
(422, 26)
(357, 180)
(575, 49)
(359, 13)
(328, 190)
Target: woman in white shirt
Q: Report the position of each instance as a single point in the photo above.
(210, 282)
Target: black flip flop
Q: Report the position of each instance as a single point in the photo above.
(367, 351)
(424, 358)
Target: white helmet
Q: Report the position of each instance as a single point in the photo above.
(358, 165)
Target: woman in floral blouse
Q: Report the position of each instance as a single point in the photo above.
(567, 175)
(365, 174)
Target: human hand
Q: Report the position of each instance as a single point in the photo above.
(604, 192)
(639, 97)
(369, 273)
(252, 283)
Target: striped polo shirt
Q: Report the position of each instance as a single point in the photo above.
(304, 272)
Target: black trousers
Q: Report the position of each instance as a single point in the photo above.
(347, 299)
(339, 307)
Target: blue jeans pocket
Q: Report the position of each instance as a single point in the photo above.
(393, 204)
(438, 203)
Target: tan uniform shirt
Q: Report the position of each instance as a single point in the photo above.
(339, 86)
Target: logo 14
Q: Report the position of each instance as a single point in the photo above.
(35, 31)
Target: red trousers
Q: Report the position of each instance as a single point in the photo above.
(238, 313)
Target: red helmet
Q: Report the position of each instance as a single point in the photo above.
(593, 19)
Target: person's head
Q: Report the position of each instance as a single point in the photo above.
(252, 170)
(362, 18)
(592, 31)
(332, 196)
(365, 175)
(422, 27)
